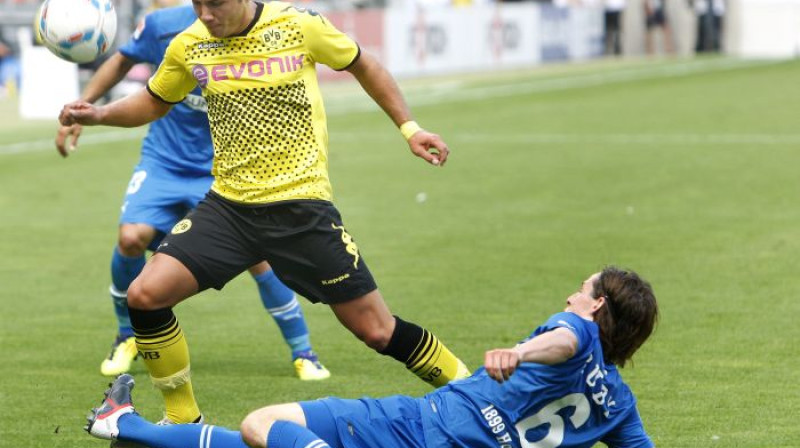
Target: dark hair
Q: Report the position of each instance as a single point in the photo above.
(629, 315)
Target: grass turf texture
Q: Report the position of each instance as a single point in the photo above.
(684, 171)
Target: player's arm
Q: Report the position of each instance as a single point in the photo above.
(107, 76)
(381, 86)
(134, 110)
(168, 86)
(552, 347)
(110, 73)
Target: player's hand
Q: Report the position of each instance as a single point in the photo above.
(429, 146)
(501, 363)
(79, 112)
(66, 133)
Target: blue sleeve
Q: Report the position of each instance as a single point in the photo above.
(572, 322)
(629, 434)
(142, 47)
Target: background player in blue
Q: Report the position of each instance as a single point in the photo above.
(173, 175)
(558, 388)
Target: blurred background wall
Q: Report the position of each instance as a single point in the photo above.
(431, 37)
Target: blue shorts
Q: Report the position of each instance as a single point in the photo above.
(159, 197)
(391, 422)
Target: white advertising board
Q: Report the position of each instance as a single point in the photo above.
(445, 40)
(586, 33)
(428, 40)
(440, 39)
(571, 33)
(767, 29)
(509, 35)
(47, 81)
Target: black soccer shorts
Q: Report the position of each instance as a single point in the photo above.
(304, 241)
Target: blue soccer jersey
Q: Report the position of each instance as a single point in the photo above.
(181, 140)
(573, 404)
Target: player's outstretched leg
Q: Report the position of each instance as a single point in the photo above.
(282, 305)
(117, 420)
(369, 318)
(123, 350)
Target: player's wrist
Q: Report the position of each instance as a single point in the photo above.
(101, 115)
(409, 128)
(518, 350)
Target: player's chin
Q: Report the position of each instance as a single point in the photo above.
(213, 29)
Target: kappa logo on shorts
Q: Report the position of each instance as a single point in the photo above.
(336, 280)
(350, 245)
(181, 227)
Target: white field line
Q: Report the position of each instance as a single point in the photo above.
(633, 139)
(50, 145)
(588, 139)
(490, 138)
(455, 91)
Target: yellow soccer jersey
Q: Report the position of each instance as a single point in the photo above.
(264, 105)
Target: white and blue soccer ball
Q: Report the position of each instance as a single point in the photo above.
(77, 30)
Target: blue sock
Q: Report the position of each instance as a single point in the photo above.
(285, 434)
(282, 305)
(123, 271)
(133, 428)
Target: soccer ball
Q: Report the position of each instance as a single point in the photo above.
(77, 30)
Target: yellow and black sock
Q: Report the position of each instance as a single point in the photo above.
(163, 348)
(424, 355)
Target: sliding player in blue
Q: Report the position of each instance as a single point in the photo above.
(560, 387)
(173, 175)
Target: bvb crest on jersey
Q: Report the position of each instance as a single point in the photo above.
(272, 37)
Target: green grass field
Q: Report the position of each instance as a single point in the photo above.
(686, 171)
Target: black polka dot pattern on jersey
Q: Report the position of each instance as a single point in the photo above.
(264, 137)
(265, 109)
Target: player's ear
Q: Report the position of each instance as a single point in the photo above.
(600, 302)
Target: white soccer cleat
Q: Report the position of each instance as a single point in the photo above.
(102, 422)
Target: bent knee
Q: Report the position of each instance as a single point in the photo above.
(131, 246)
(142, 297)
(132, 241)
(255, 428)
